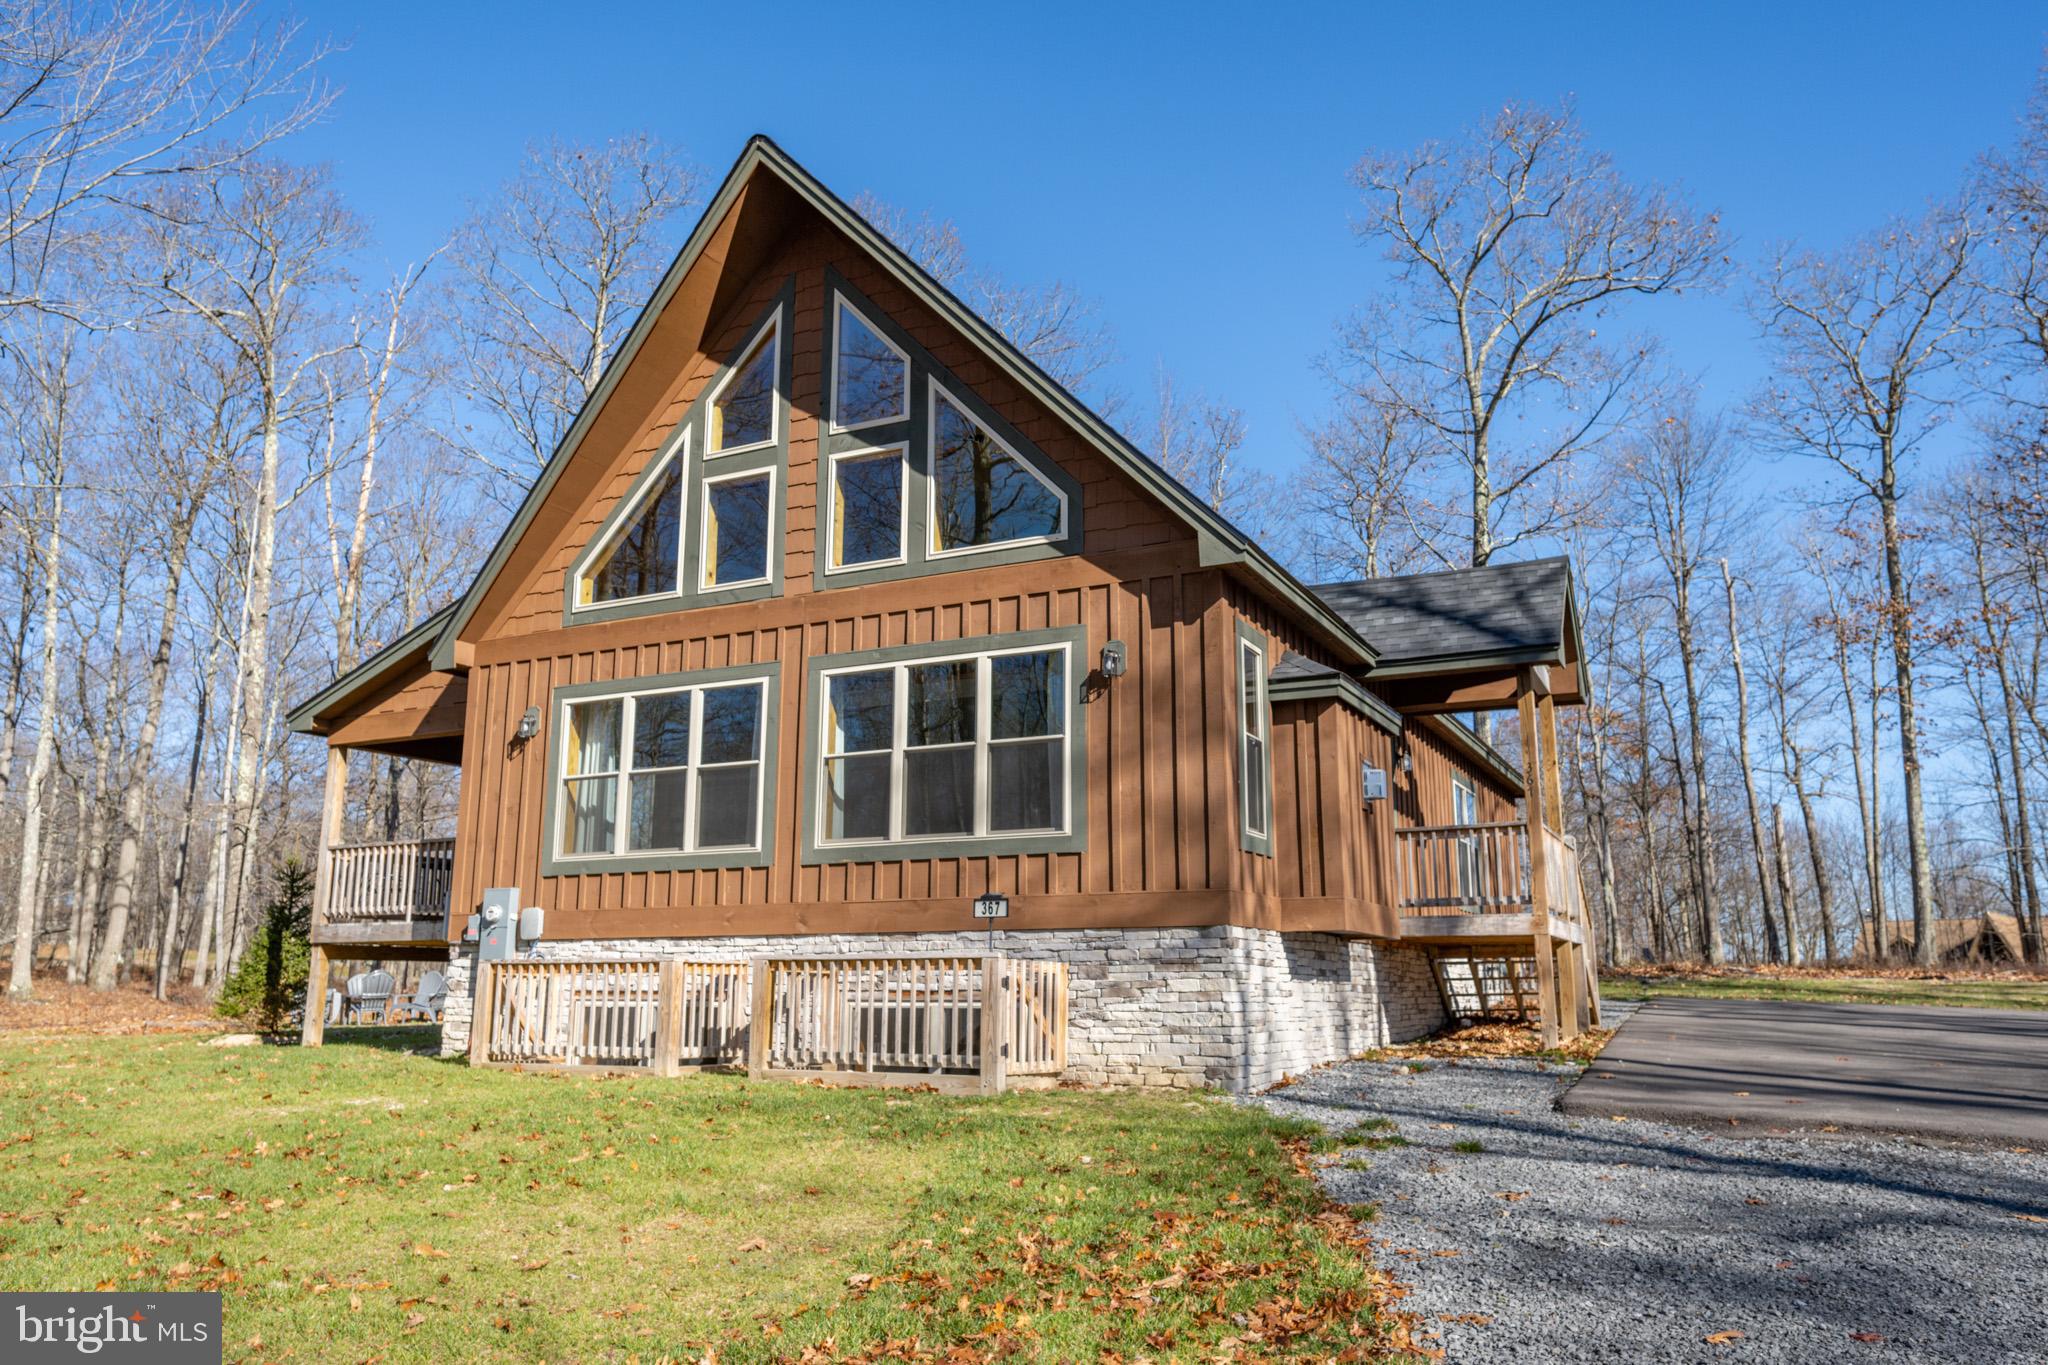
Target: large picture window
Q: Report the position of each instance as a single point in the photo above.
(674, 770)
(1254, 774)
(966, 746)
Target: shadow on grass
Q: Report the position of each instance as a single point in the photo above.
(386, 1037)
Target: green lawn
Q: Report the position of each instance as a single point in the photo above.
(360, 1201)
(2001, 993)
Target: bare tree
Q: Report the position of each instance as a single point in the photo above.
(1508, 248)
(1787, 950)
(248, 254)
(1861, 339)
(99, 100)
(549, 275)
(1367, 513)
(1054, 325)
(42, 420)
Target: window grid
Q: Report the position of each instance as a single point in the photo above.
(983, 743)
(714, 417)
(707, 571)
(842, 306)
(623, 771)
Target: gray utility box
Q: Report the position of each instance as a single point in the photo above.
(498, 932)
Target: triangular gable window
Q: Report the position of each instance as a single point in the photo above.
(984, 493)
(743, 408)
(870, 377)
(642, 558)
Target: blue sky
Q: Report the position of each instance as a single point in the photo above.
(1185, 165)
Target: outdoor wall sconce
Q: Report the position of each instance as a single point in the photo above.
(1113, 659)
(529, 724)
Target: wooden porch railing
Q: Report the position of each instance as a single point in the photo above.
(1484, 869)
(976, 1023)
(402, 880)
(659, 1016)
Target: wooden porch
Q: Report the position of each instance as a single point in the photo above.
(1503, 901)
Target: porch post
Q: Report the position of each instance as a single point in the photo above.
(1541, 949)
(1583, 957)
(333, 798)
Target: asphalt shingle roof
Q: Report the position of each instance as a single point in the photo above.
(1500, 608)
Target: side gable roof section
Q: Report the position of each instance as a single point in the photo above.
(304, 719)
(1300, 678)
(1495, 615)
(1222, 544)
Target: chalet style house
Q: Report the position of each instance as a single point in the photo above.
(833, 615)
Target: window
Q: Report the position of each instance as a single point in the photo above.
(640, 559)
(967, 747)
(1254, 797)
(867, 508)
(677, 770)
(982, 492)
(1465, 811)
(870, 377)
(739, 522)
(743, 407)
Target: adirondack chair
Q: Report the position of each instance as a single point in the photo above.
(369, 997)
(428, 1000)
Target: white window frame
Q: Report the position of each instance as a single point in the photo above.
(983, 744)
(1262, 711)
(678, 452)
(901, 449)
(622, 798)
(1465, 811)
(839, 302)
(931, 482)
(705, 583)
(773, 329)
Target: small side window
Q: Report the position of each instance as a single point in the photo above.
(739, 523)
(1254, 778)
(866, 508)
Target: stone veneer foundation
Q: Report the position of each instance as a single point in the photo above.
(1222, 1006)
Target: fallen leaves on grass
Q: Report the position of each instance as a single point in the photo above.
(59, 1006)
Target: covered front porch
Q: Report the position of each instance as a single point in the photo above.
(379, 897)
(1498, 904)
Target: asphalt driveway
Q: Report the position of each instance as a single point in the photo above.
(1968, 1075)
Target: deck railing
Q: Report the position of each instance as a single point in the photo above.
(401, 880)
(1484, 869)
(966, 1023)
(659, 1016)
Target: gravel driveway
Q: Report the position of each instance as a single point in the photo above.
(1588, 1239)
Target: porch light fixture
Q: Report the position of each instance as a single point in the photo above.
(1113, 659)
(529, 724)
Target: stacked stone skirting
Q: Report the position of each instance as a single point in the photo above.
(1223, 1006)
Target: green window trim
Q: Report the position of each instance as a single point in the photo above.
(1261, 707)
(554, 864)
(687, 443)
(1072, 839)
(914, 433)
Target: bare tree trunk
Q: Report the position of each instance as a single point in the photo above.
(167, 962)
(1784, 871)
(2021, 840)
(85, 919)
(20, 983)
(1822, 890)
(1900, 604)
(1756, 828)
(128, 859)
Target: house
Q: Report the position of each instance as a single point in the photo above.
(832, 612)
(1958, 940)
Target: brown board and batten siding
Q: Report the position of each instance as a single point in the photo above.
(1161, 798)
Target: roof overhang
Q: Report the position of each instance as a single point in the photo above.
(1340, 688)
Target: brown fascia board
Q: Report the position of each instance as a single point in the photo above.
(1221, 544)
(304, 718)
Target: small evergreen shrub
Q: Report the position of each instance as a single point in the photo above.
(270, 980)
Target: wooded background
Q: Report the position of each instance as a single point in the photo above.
(237, 459)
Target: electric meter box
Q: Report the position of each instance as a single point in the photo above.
(497, 937)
